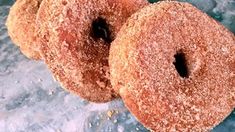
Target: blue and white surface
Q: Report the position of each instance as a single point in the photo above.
(31, 101)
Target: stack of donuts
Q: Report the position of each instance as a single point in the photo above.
(173, 66)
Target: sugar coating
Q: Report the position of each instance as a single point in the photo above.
(21, 26)
(76, 59)
(143, 72)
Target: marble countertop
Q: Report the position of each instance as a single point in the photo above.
(32, 101)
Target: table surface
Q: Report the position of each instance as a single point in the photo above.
(30, 99)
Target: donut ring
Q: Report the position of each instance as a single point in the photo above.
(21, 26)
(76, 37)
(177, 74)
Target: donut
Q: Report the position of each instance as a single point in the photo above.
(75, 37)
(174, 68)
(21, 24)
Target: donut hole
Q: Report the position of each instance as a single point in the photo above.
(180, 64)
(100, 30)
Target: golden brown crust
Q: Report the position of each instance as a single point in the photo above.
(142, 66)
(21, 26)
(76, 58)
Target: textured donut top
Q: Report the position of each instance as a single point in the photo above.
(21, 24)
(174, 67)
(77, 36)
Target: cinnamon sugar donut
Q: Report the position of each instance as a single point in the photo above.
(21, 26)
(76, 37)
(174, 67)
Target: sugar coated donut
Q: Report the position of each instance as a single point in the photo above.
(21, 26)
(76, 36)
(174, 67)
